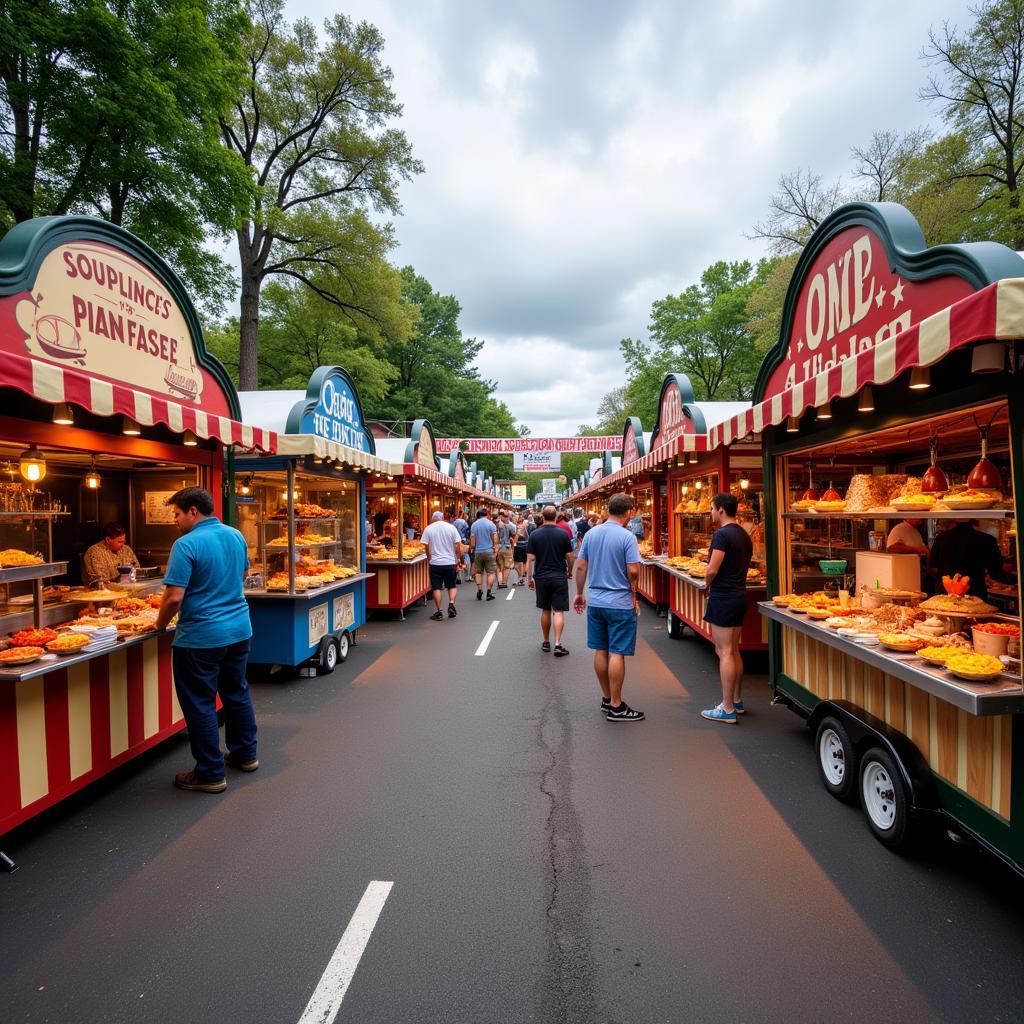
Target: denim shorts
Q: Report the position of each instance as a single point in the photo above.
(611, 629)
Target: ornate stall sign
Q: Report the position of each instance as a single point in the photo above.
(85, 296)
(457, 466)
(674, 416)
(632, 441)
(422, 448)
(332, 410)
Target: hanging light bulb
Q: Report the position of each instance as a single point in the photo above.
(189, 439)
(744, 483)
(32, 465)
(866, 402)
(92, 478)
(63, 415)
(792, 425)
(130, 427)
(246, 489)
(934, 480)
(692, 459)
(920, 378)
(685, 489)
(825, 411)
(699, 484)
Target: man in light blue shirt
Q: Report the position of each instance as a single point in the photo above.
(203, 587)
(610, 556)
(483, 536)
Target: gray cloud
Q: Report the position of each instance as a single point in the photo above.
(584, 159)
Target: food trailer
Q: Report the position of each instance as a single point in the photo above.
(894, 378)
(111, 404)
(303, 514)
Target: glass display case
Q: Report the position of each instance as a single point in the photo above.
(324, 531)
(691, 513)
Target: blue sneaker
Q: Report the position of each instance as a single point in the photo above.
(738, 707)
(719, 714)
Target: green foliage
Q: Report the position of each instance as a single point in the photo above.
(312, 124)
(113, 110)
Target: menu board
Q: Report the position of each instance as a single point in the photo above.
(158, 512)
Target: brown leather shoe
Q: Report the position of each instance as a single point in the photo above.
(192, 782)
(242, 766)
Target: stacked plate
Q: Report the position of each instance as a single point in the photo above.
(101, 637)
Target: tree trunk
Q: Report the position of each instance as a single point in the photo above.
(248, 341)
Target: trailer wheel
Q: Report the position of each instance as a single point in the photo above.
(344, 642)
(328, 656)
(884, 799)
(837, 759)
(674, 626)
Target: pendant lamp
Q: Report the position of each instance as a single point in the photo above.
(811, 494)
(934, 480)
(985, 476)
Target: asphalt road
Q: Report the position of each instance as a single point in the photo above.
(547, 866)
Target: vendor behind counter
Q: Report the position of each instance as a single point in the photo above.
(101, 562)
(969, 551)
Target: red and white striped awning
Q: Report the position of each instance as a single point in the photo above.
(436, 477)
(995, 313)
(55, 384)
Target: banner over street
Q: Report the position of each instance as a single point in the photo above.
(511, 445)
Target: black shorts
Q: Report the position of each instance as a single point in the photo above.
(519, 553)
(442, 577)
(552, 595)
(727, 610)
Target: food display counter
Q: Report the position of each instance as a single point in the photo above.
(303, 513)
(94, 430)
(892, 464)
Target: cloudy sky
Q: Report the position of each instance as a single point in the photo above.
(586, 158)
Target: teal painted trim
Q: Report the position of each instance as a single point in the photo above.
(977, 263)
(986, 823)
(700, 424)
(634, 427)
(798, 692)
(26, 245)
(454, 459)
(301, 409)
(686, 398)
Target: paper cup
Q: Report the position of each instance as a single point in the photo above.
(989, 643)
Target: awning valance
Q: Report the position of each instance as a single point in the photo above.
(321, 448)
(435, 476)
(994, 313)
(53, 384)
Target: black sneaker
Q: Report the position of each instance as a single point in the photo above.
(458, 581)
(479, 595)
(490, 596)
(560, 651)
(624, 713)
(437, 616)
(546, 646)
(606, 705)
(451, 611)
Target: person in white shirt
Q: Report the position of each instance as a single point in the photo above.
(444, 549)
(905, 539)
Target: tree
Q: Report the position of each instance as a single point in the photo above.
(311, 123)
(801, 201)
(980, 84)
(764, 306)
(301, 332)
(611, 412)
(113, 109)
(882, 165)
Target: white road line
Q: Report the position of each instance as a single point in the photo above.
(325, 1002)
(488, 637)
(511, 594)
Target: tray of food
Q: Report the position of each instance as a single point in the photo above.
(905, 643)
(68, 643)
(937, 655)
(972, 500)
(33, 637)
(976, 668)
(914, 503)
(17, 566)
(19, 656)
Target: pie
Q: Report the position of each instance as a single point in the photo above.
(901, 641)
(68, 643)
(972, 499)
(829, 506)
(33, 637)
(970, 666)
(957, 604)
(20, 655)
(13, 558)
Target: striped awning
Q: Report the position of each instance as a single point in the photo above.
(321, 448)
(439, 479)
(995, 313)
(651, 462)
(53, 384)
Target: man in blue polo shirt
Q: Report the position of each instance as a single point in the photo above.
(203, 587)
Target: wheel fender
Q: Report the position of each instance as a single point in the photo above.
(866, 730)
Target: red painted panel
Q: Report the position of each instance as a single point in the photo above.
(10, 776)
(136, 696)
(58, 739)
(165, 679)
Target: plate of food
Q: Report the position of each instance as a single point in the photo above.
(20, 655)
(914, 503)
(15, 558)
(33, 637)
(68, 643)
(829, 506)
(902, 642)
(867, 639)
(977, 668)
(937, 655)
(783, 600)
(972, 500)
(820, 614)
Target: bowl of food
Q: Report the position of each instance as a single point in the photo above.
(903, 642)
(976, 668)
(993, 637)
(19, 656)
(937, 655)
(68, 643)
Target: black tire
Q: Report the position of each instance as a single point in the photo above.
(328, 661)
(837, 760)
(258, 673)
(884, 799)
(674, 626)
(344, 644)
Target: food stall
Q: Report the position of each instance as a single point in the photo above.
(893, 383)
(399, 507)
(110, 405)
(303, 514)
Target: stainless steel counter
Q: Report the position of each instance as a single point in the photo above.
(391, 562)
(1004, 696)
(699, 583)
(313, 592)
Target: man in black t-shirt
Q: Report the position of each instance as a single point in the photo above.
(726, 580)
(581, 527)
(548, 567)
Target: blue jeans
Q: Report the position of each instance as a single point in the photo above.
(611, 629)
(200, 673)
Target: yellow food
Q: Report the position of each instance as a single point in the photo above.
(901, 641)
(965, 604)
(20, 654)
(942, 654)
(68, 642)
(974, 664)
(12, 558)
